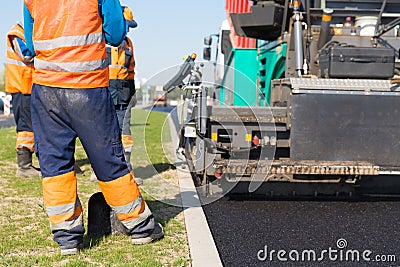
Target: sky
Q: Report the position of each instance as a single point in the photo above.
(167, 31)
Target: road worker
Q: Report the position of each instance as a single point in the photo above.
(121, 61)
(70, 99)
(19, 68)
(122, 84)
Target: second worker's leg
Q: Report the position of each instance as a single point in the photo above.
(25, 138)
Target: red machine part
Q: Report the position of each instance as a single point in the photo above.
(239, 6)
(256, 140)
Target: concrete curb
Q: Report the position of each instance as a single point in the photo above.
(203, 251)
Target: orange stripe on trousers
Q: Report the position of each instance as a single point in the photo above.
(25, 139)
(59, 190)
(121, 191)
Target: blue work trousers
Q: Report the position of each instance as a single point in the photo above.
(22, 112)
(61, 115)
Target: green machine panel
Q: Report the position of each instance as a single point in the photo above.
(272, 63)
(239, 87)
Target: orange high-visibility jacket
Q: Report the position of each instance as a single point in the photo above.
(69, 54)
(122, 61)
(18, 74)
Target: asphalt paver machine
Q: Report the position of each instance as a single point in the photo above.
(311, 106)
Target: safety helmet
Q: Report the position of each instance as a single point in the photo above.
(128, 15)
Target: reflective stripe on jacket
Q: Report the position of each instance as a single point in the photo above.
(69, 54)
(18, 74)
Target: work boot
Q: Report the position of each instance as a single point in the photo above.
(157, 234)
(25, 168)
(71, 251)
(139, 181)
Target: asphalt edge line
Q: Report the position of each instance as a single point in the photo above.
(203, 251)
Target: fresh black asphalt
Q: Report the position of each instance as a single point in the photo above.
(241, 228)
